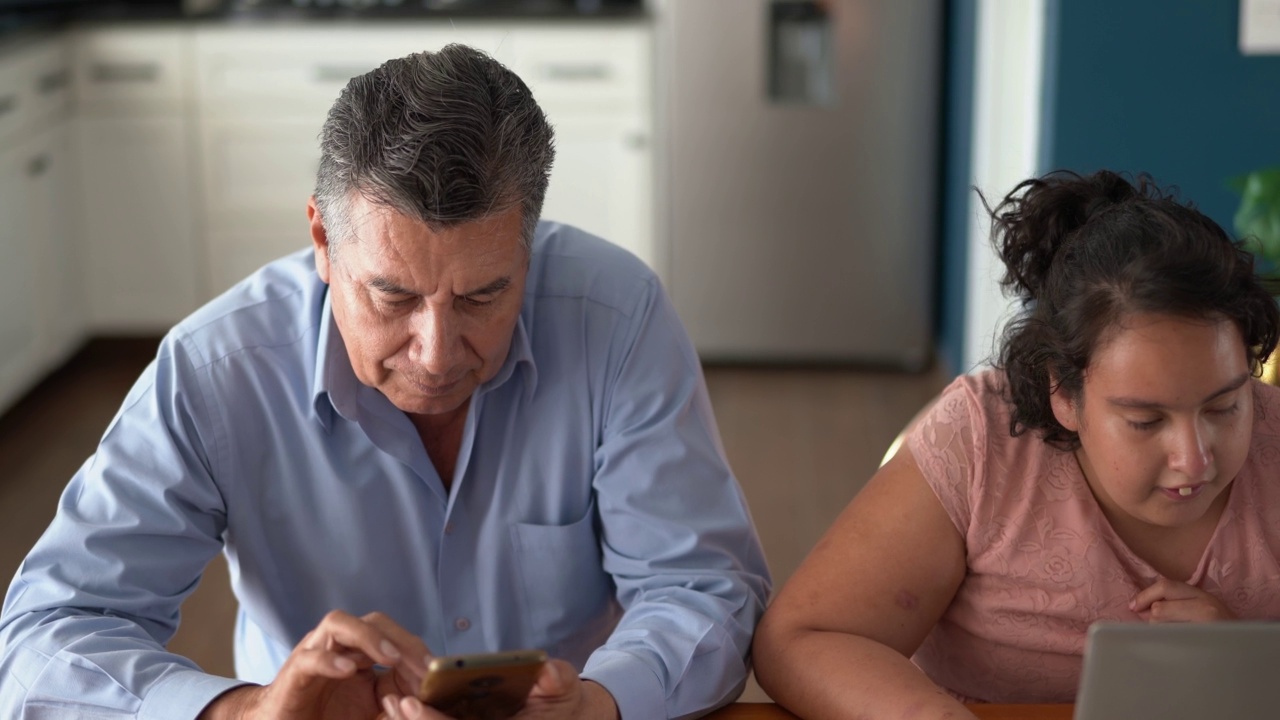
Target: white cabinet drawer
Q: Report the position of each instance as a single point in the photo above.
(585, 68)
(131, 70)
(298, 72)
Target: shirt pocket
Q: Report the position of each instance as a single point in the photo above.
(567, 596)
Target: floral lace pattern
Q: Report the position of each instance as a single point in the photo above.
(1044, 562)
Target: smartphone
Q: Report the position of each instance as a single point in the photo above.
(485, 686)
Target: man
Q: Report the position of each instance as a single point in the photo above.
(446, 428)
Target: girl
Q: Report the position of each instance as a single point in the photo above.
(1121, 462)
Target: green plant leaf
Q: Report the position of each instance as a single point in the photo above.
(1258, 216)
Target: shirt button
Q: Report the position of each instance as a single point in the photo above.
(462, 623)
(448, 528)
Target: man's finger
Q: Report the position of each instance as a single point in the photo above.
(305, 667)
(555, 679)
(413, 652)
(340, 632)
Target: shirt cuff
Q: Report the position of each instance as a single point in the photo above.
(633, 684)
(183, 694)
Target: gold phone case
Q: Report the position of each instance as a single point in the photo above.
(486, 686)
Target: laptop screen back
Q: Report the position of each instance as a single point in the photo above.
(1180, 671)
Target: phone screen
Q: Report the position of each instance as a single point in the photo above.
(486, 686)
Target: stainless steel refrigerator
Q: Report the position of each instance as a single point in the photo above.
(800, 176)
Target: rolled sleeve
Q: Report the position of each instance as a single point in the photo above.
(635, 688)
(183, 694)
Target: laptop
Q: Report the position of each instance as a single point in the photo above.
(1181, 671)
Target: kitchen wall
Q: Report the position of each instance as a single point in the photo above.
(961, 39)
(1156, 86)
(1160, 86)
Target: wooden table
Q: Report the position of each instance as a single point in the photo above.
(769, 711)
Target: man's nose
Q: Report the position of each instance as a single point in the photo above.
(437, 342)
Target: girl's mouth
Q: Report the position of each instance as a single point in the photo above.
(1186, 492)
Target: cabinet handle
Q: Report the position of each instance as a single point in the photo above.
(8, 104)
(339, 73)
(38, 165)
(54, 81)
(577, 72)
(125, 72)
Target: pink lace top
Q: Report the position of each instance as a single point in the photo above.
(1043, 561)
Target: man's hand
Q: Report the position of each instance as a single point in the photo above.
(559, 694)
(330, 674)
(1172, 601)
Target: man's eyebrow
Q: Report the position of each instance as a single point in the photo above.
(1137, 404)
(492, 288)
(389, 287)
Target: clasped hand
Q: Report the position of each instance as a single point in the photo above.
(1168, 600)
(331, 674)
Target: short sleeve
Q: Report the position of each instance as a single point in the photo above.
(946, 444)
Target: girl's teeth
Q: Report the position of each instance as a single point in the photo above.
(1184, 491)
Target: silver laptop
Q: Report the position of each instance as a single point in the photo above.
(1181, 671)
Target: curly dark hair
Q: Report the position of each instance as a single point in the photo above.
(1084, 252)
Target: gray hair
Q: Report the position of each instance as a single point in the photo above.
(445, 137)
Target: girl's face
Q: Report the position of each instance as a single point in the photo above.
(1165, 417)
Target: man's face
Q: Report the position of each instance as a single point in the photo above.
(426, 316)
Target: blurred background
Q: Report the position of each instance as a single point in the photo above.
(800, 174)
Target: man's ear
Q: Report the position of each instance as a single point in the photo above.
(1064, 406)
(319, 239)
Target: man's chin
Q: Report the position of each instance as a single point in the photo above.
(416, 402)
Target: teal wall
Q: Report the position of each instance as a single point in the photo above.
(961, 39)
(1159, 86)
(1156, 86)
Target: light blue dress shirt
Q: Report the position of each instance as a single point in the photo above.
(592, 512)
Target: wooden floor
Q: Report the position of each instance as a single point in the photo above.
(801, 441)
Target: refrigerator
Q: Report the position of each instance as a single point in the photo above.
(800, 177)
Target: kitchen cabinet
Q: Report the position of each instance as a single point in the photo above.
(137, 219)
(18, 348)
(262, 94)
(146, 167)
(51, 201)
(40, 318)
(595, 84)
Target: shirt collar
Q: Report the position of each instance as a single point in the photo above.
(519, 355)
(335, 386)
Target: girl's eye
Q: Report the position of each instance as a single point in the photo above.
(1144, 424)
(1225, 410)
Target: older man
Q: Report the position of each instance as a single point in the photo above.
(445, 428)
